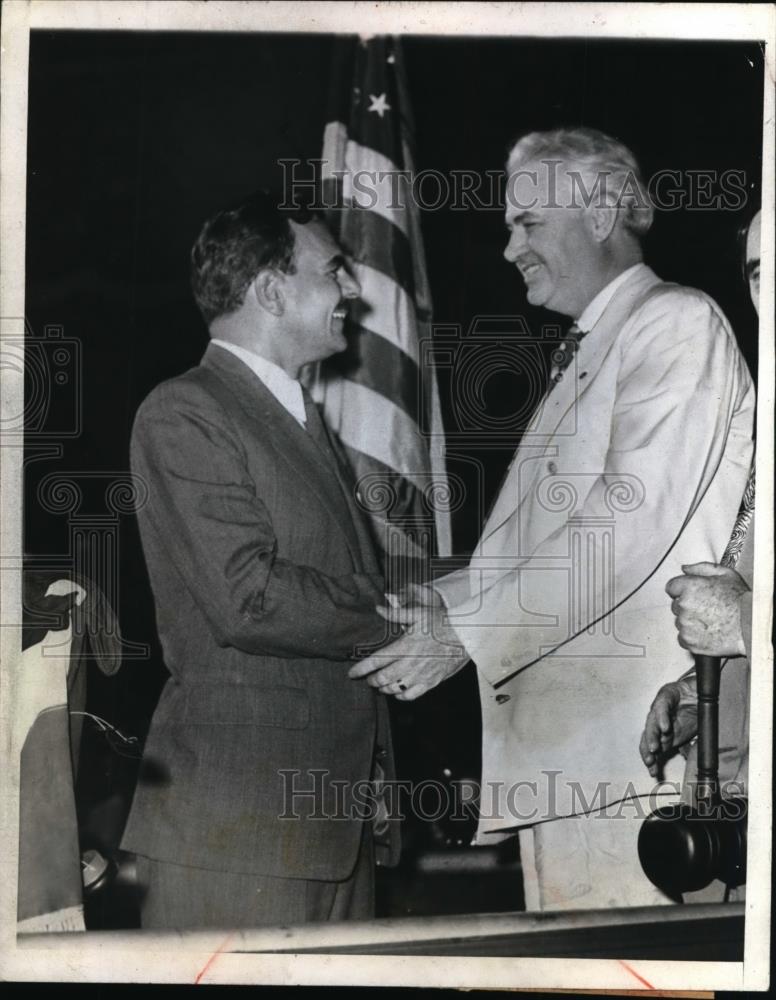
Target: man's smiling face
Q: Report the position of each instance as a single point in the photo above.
(317, 290)
(550, 238)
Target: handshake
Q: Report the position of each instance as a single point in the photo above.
(425, 655)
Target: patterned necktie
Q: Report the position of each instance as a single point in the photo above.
(742, 525)
(564, 355)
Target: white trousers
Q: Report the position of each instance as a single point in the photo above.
(586, 862)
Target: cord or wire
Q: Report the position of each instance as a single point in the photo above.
(109, 730)
(105, 726)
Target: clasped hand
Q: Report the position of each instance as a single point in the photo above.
(707, 609)
(671, 723)
(427, 654)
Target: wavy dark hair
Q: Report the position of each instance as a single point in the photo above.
(234, 245)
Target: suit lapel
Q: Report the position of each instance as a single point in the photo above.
(558, 410)
(292, 443)
(593, 350)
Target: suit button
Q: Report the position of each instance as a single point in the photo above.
(552, 468)
(381, 753)
(502, 698)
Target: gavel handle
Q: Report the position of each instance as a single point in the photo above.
(707, 670)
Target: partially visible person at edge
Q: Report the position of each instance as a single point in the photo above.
(712, 605)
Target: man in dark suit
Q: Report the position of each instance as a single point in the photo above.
(251, 803)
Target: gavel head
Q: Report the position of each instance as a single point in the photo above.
(683, 849)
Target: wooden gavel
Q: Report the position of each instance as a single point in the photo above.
(683, 847)
(707, 671)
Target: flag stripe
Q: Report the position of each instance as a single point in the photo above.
(378, 478)
(389, 371)
(438, 463)
(371, 239)
(367, 178)
(381, 401)
(386, 309)
(391, 436)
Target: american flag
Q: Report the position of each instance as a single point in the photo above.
(381, 396)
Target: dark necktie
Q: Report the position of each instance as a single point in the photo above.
(331, 449)
(341, 470)
(564, 355)
(314, 424)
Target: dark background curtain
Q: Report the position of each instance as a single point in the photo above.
(134, 138)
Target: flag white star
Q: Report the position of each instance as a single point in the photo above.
(379, 104)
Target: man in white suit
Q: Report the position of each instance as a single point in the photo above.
(634, 463)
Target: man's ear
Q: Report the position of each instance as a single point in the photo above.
(269, 292)
(602, 220)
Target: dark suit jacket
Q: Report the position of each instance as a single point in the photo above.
(265, 583)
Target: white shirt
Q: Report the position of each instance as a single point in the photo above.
(594, 310)
(286, 390)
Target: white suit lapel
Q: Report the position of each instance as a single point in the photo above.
(557, 411)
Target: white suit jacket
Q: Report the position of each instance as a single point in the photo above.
(634, 464)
